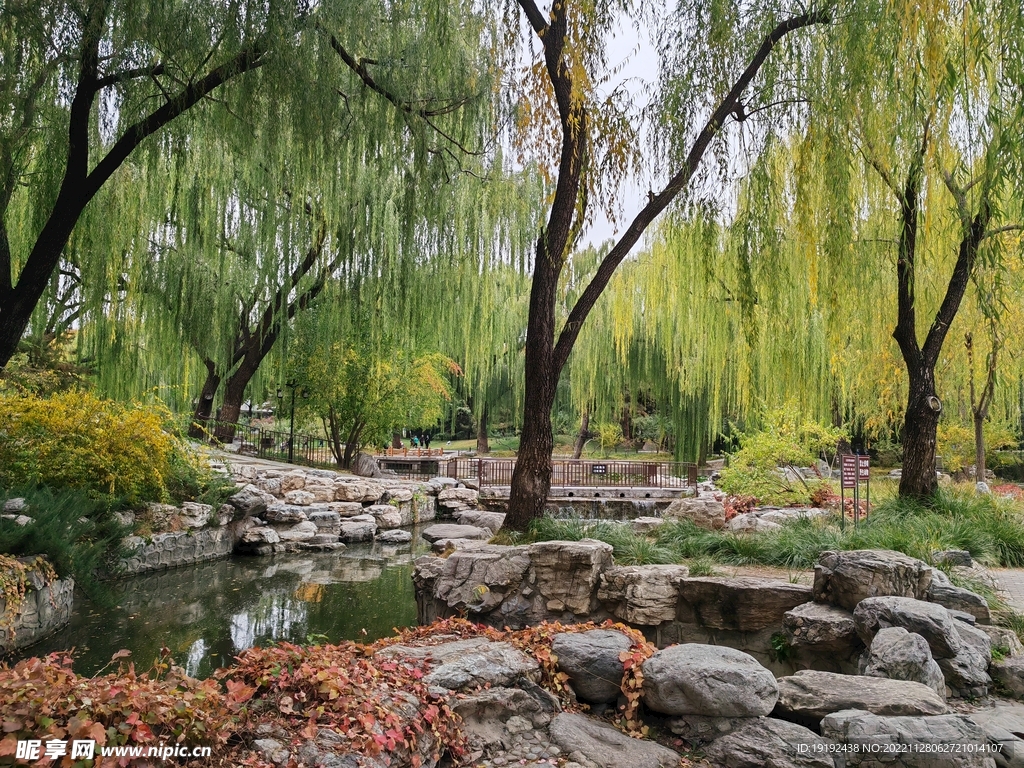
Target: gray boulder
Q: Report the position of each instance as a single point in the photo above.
(433, 533)
(249, 501)
(492, 664)
(901, 655)
(303, 531)
(712, 680)
(327, 520)
(485, 713)
(388, 516)
(195, 515)
(284, 513)
(358, 529)
(945, 593)
(744, 603)
(809, 695)
(642, 594)
(846, 578)
(704, 513)
(567, 572)
(365, 465)
(605, 746)
(1008, 674)
(751, 523)
(941, 741)
(482, 518)
(967, 672)
(822, 628)
(396, 536)
(1003, 639)
(929, 620)
(764, 742)
(591, 660)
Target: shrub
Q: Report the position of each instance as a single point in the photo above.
(108, 450)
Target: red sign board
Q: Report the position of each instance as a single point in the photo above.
(864, 469)
(849, 470)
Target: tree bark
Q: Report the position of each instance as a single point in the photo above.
(920, 423)
(204, 407)
(234, 395)
(581, 437)
(482, 444)
(545, 359)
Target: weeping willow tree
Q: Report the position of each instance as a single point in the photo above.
(875, 207)
(311, 97)
(714, 53)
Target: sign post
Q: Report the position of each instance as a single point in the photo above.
(854, 469)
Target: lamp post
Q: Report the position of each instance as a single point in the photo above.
(291, 426)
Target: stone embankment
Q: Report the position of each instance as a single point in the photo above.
(875, 651)
(44, 607)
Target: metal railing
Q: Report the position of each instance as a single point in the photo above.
(271, 444)
(583, 473)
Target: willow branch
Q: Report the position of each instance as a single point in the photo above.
(658, 203)
(115, 78)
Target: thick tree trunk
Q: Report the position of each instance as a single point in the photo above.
(919, 428)
(581, 437)
(204, 407)
(482, 444)
(979, 447)
(234, 396)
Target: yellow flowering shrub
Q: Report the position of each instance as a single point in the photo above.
(77, 440)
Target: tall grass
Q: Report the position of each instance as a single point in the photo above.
(990, 528)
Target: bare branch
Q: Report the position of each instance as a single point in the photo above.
(115, 78)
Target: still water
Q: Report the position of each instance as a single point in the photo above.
(209, 612)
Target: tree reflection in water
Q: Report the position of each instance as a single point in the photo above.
(207, 613)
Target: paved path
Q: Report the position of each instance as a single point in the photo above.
(1011, 581)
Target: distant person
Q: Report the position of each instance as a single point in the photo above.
(426, 441)
(415, 442)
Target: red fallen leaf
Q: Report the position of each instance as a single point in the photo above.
(310, 731)
(11, 726)
(8, 745)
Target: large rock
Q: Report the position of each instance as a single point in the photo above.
(929, 620)
(1003, 639)
(605, 746)
(249, 501)
(395, 536)
(567, 572)
(285, 513)
(901, 655)
(326, 520)
(809, 695)
(642, 594)
(482, 518)
(704, 513)
(591, 660)
(388, 516)
(846, 578)
(822, 628)
(358, 490)
(945, 593)
(434, 533)
(478, 581)
(493, 664)
(966, 673)
(1008, 674)
(358, 528)
(303, 531)
(751, 523)
(485, 713)
(453, 500)
(195, 515)
(365, 465)
(711, 680)
(745, 603)
(764, 742)
(943, 741)
(259, 539)
(301, 498)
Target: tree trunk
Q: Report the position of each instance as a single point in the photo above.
(919, 427)
(351, 445)
(581, 437)
(626, 418)
(234, 395)
(204, 407)
(482, 445)
(979, 447)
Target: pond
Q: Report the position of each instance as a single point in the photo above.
(208, 613)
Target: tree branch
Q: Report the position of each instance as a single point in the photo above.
(658, 203)
(115, 78)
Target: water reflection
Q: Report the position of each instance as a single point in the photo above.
(209, 612)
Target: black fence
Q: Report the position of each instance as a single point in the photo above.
(271, 444)
(583, 473)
